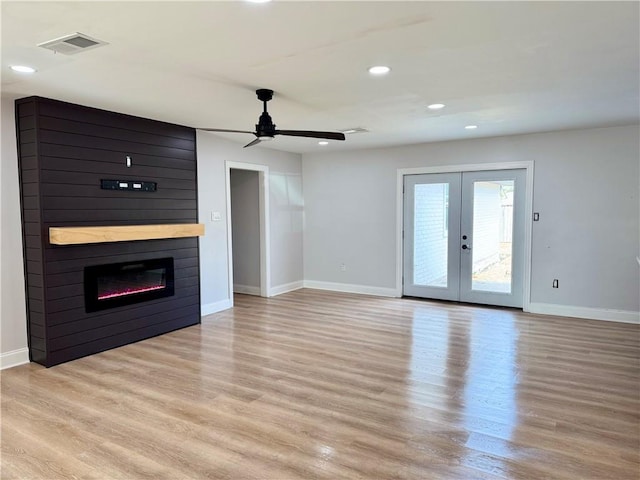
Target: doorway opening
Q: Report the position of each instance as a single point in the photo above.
(245, 231)
(248, 228)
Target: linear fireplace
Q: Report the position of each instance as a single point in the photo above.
(70, 223)
(119, 284)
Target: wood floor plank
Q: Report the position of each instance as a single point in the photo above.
(314, 384)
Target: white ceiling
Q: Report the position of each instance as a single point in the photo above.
(509, 67)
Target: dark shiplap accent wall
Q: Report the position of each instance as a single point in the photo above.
(64, 151)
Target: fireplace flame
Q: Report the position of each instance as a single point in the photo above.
(130, 291)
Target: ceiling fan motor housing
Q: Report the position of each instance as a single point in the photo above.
(265, 126)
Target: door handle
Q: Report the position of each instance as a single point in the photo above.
(466, 247)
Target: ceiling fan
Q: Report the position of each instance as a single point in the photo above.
(266, 129)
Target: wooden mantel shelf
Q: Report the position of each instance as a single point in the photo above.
(123, 233)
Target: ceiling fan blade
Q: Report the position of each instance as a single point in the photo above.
(307, 133)
(223, 130)
(251, 144)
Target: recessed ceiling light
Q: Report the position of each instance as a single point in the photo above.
(323, 143)
(436, 106)
(22, 69)
(471, 127)
(379, 70)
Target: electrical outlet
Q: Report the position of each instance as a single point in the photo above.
(555, 283)
(343, 267)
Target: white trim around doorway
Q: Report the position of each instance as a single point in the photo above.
(265, 251)
(528, 166)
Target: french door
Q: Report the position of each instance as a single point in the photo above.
(464, 236)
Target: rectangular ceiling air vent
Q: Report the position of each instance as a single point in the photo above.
(72, 44)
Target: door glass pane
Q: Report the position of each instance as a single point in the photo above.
(492, 235)
(430, 242)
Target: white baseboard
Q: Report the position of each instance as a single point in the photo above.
(14, 358)
(246, 289)
(287, 287)
(210, 308)
(351, 288)
(609, 315)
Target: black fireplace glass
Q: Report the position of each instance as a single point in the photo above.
(118, 284)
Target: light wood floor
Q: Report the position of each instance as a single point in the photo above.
(313, 384)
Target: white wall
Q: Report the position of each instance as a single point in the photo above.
(245, 225)
(13, 314)
(585, 189)
(286, 210)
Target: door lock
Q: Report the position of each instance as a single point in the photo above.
(466, 247)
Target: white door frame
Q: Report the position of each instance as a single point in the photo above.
(263, 200)
(526, 165)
